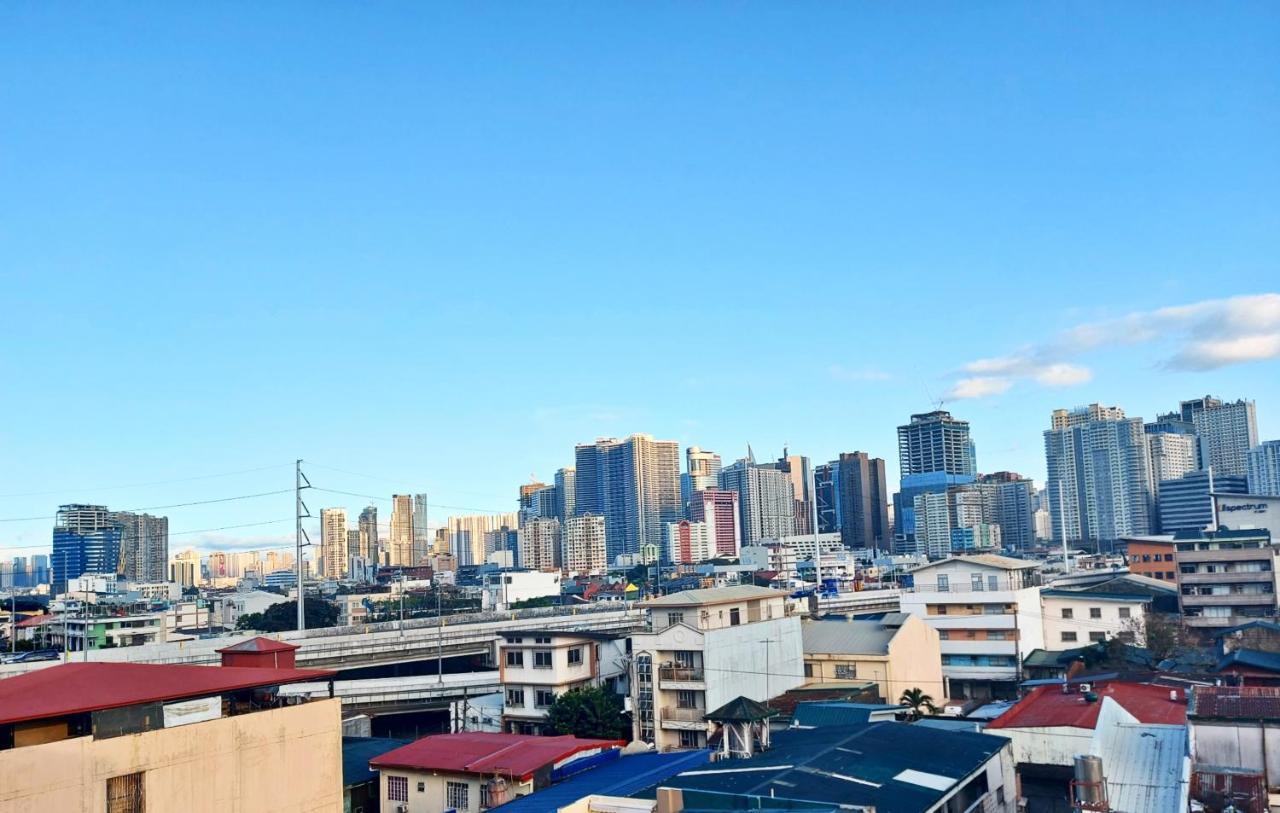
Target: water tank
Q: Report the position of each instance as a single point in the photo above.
(1089, 781)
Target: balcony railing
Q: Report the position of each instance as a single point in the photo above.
(683, 673)
(683, 715)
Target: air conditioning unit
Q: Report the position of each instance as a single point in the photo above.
(1084, 688)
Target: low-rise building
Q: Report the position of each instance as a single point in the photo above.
(1153, 557)
(503, 588)
(1226, 577)
(537, 666)
(1094, 615)
(471, 771)
(1236, 726)
(897, 651)
(986, 610)
(134, 737)
(704, 648)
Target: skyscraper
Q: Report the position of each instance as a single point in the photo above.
(826, 487)
(718, 510)
(1013, 498)
(370, 547)
(333, 543)
(467, 535)
(766, 501)
(797, 468)
(935, 452)
(530, 505)
(400, 541)
(688, 543)
(862, 500)
(1172, 454)
(85, 540)
(584, 545)
(1099, 475)
(1227, 431)
(565, 483)
(1184, 504)
(421, 534)
(703, 467)
(1263, 463)
(539, 544)
(144, 547)
(634, 484)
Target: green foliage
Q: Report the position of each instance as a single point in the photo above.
(284, 616)
(1162, 635)
(590, 712)
(917, 702)
(540, 601)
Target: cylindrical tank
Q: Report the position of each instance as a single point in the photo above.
(1089, 780)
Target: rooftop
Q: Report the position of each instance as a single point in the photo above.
(77, 688)
(740, 709)
(356, 753)
(714, 595)
(855, 637)
(594, 635)
(1251, 659)
(622, 777)
(1270, 626)
(984, 559)
(259, 644)
(895, 767)
(1143, 763)
(820, 714)
(517, 755)
(1250, 703)
(1051, 707)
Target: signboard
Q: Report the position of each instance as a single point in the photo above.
(1242, 512)
(199, 710)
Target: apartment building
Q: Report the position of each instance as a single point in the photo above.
(986, 610)
(537, 666)
(704, 648)
(1226, 577)
(899, 652)
(1153, 557)
(1075, 617)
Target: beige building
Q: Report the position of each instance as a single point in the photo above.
(537, 666)
(131, 738)
(584, 551)
(400, 541)
(539, 543)
(333, 542)
(898, 652)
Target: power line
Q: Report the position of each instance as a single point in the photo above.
(393, 482)
(143, 485)
(429, 505)
(160, 507)
(181, 533)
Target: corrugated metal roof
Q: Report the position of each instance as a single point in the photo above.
(1051, 707)
(822, 715)
(987, 559)
(1252, 658)
(1147, 767)
(713, 595)
(482, 752)
(356, 753)
(621, 777)
(1233, 703)
(847, 637)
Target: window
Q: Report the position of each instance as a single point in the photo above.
(397, 788)
(1097, 637)
(542, 659)
(1067, 612)
(575, 656)
(686, 699)
(684, 658)
(1095, 612)
(1000, 795)
(516, 640)
(674, 618)
(542, 698)
(689, 739)
(944, 635)
(1168, 574)
(1124, 612)
(455, 795)
(976, 580)
(735, 617)
(1069, 637)
(485, 801)
(846, 671)
(808, 670)
(515, 697)
(542, 640)
(1168, 557)
(997, 635)
(422, 787)
(971, 634)
(944, 584)
(126, 794)
(515, 657)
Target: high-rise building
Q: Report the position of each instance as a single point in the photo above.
(718, 510)
(85, 540)
(688, 543)
(467, 535)
(1099, 475)
(935, 452)
(540, 544)
(826, 490)
(144, 547)
(766, 501)
(40, 569)
(1185, 505)
(1014, 499)
(565, 484)
(703, 468)
(400, 538)
(530, 503)
(797, 468)
(861, 501)
(333, 543)
(421, 534)
(1227, 431)
(370, 546)
(634, 484)
(584, 545)
(184, 568)
(1172, 455)
(1263, 464)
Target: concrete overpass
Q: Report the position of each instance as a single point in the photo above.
(863, 602)
(378, 696)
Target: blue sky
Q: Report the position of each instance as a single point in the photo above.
(441, 244)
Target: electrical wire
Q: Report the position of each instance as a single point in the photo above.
(143, 485)
(174, 505)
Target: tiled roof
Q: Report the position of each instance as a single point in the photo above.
(76, 688)
(1051, 707)
(1232, 703)
(518, 755)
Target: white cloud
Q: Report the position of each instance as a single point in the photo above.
(978, 387)
(1203, 335)
(841, 373)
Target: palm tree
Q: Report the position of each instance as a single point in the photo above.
(917, 702)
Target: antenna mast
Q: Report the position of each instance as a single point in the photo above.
(300, 482)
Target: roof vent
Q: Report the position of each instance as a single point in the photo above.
(1173, 695)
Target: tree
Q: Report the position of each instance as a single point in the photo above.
(1161, 633)
(284, 616)
(917, 702)
(589, 712)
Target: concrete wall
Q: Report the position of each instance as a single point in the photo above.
(759, 661)
(1237, 744)
(1082, 624)
(287, 759)
(1047, 746)
(915, 661)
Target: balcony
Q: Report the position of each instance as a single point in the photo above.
(1231, 600)
(681, 677)
(1243, 577)
(674, 717)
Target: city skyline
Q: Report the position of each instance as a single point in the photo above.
(869, 212)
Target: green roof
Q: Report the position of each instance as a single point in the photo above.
(740, 710)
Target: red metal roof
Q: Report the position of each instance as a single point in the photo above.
(516, 755)
(1049, 707)
(76, 688)
(259, 644)
(1236, 702)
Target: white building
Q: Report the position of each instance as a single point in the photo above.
(1227, 432)
(1172, 455)
(1264, 468)
(537, 666)
(986, 609)
(704, 648)
(507, 587)
(584, 550)
(1075, 618)
(688, 543)
(333, 542)
(777, 557)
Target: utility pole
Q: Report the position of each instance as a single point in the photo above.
(300, 482)
(817, 546)
(439, 637)
(402, 603)
(13, 619)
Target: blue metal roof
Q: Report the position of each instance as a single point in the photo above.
(356, 753)
(622, 777)
(1255, 658)
(816, 714)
